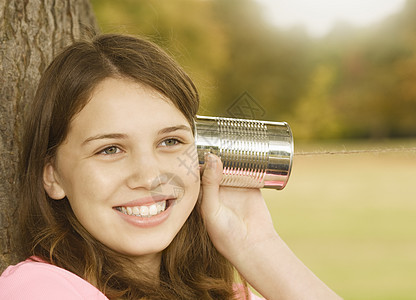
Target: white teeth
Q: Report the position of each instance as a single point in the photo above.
(136, 210)
(159, 206)
(153, 210)
(144, 211)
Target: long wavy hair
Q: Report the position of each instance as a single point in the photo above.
(191, 267)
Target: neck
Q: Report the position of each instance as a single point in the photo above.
(150, 263)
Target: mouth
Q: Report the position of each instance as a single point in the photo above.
(145, 211)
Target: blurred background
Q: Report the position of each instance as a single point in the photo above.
(343, 75)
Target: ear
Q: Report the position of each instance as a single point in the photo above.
(50, 183)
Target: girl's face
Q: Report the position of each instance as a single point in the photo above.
(128, 168)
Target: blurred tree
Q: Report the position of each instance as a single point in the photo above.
(185, 28)
(374, 75)
(270, 65)
(353, 83)
(31, 33)
(316, 115)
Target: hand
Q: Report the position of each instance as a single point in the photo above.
(240, 226)
(236, 218)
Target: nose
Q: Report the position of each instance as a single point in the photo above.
(144, 171)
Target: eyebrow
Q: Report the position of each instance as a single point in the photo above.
(105, 136)
(124, 136)
(174, 128)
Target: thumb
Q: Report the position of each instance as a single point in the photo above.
(211, 178)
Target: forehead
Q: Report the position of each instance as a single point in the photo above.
(117, 103)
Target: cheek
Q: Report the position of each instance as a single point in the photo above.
(186, 164)
(191, 178)
(181, 176)
(85, 185)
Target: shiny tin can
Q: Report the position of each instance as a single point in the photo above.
(255, 154)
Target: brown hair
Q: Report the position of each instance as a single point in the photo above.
(191, 267)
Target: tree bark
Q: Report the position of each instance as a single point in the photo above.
(31, 33)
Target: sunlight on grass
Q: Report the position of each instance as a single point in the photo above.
(352, 218)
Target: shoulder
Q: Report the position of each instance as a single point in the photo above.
(32, 279)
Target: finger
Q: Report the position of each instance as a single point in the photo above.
(212, 170)
(211, 179)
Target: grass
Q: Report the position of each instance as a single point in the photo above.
(352, 218)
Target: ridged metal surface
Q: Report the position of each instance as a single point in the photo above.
(255, 154)
(244, 152)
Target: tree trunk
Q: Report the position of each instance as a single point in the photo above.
(31, 33)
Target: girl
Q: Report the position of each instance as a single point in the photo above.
(108, 212)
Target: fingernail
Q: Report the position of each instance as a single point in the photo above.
(210, 160)
(206, 154)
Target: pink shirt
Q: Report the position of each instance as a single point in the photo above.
(36, 280)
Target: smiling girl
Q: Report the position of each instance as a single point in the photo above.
(107, 211)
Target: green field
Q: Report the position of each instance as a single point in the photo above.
(352, 218)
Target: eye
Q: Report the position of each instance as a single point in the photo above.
(110, 150)
(170, 142)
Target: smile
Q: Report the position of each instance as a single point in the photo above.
(143, 210)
